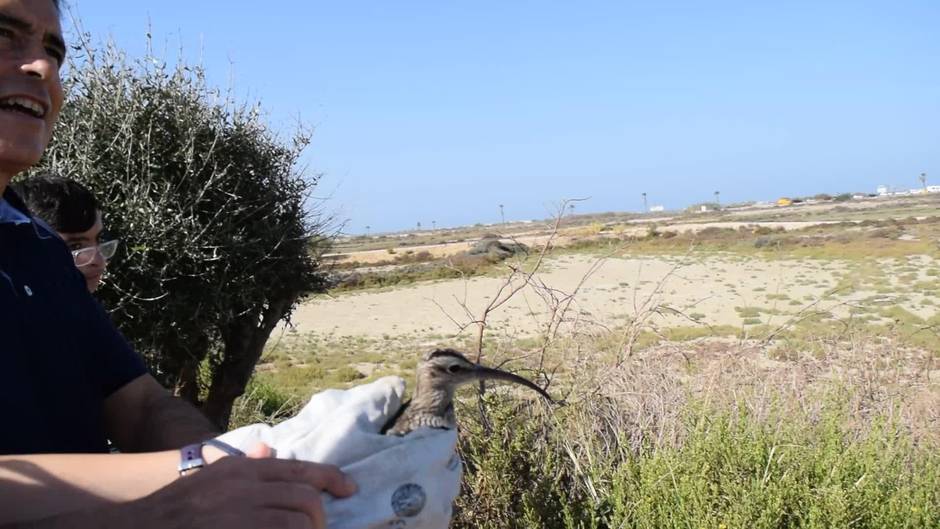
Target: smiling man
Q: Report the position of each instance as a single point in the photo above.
(86, 363)
(70, 382)
(31, 91)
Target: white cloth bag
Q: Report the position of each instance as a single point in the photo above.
(404, 482)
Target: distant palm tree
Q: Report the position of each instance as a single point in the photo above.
(419, 225)
(433, 224)
(501, 215)
(923, 180)
(717, 199)
(368, 228)
(571, 208)
(645, 207)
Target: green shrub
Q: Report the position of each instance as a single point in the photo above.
(346, 374)
(262, 403)
(748, 312)
(729, 468)
(219, 237)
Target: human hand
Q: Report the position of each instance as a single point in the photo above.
(408, 481)
(243, 492)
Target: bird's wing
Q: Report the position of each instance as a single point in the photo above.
(394, 418)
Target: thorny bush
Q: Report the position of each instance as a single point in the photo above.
(218, 241)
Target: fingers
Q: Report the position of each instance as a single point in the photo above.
(320, 477)
(297, 498)
(289, 520)
(252, 493)
(271, 518)
(296, 520)
(247, 493)
(260, 451)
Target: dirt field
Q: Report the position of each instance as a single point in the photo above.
(716, 290)
(703, 288)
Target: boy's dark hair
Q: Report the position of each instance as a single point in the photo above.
(63, 203)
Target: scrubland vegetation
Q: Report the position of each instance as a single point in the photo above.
(808, 405)
(690, 431)
(810, 411)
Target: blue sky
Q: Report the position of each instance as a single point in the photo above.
(439, 111)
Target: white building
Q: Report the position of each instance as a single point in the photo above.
(657, 209)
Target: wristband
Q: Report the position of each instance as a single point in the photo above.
(191, 455)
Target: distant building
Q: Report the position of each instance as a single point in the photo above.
(784, 202)
(657, 209)
(933, 189)
(882, 191)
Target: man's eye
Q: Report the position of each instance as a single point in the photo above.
(56, 54)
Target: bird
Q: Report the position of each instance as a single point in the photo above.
(438, 375)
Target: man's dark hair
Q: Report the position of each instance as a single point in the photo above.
(63, 203)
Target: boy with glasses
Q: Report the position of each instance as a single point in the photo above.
(74, 213)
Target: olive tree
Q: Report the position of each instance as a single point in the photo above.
(212, 209)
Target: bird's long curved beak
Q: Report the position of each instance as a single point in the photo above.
(484, 373)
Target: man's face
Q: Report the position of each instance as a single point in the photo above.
(31, 52)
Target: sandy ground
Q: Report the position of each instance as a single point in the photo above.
(708, 290)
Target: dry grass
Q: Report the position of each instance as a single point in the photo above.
(714, 435)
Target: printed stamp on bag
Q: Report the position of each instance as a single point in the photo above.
(408, 500)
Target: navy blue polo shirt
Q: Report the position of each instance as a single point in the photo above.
(61, 355)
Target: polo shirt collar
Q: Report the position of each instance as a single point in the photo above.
(12, 209)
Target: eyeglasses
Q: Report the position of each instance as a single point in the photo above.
(84, 256)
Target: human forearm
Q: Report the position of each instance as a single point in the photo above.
(171, 422)
(235, 493)
(47, 484)
(105, 517)
(143, 416)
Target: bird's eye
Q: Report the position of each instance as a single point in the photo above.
(453, 369)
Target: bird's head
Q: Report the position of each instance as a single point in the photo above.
(446, 369)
